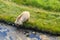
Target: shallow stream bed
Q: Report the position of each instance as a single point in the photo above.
(8, 32)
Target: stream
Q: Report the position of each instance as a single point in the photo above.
(8, 32)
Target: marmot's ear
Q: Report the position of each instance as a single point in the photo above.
(19, 17)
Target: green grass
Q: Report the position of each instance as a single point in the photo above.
(44, 20)
(51, 5)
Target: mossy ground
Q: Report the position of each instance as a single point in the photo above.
(44, 20)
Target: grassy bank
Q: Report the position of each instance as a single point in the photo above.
(51, 5)
(42, 19)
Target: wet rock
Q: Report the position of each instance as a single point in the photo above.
(24, 32)
(44, 37)
(12, 24)
(27, 34)
(33, 32)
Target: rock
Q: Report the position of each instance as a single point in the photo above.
(27, 34)
(44, 37)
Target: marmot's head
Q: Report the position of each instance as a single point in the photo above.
(17, 23)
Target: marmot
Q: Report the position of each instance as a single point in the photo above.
(23, 17)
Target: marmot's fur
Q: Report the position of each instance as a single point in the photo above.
(24, 16)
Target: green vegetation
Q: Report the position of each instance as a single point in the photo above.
(51, 5)
(48, 21)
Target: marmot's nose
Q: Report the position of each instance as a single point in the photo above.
(17, 25)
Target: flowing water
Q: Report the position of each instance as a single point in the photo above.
(8, 32)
